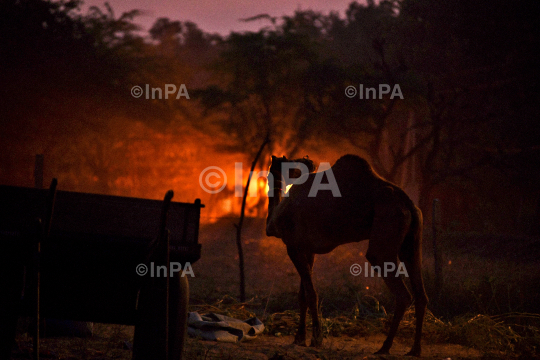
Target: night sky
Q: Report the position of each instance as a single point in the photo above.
(217, 16)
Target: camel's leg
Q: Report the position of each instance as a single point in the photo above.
(390, 224)
(304, 266)
(403, 300)
(300, 338)
(420, 303)
(411, 255)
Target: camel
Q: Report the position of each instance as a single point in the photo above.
(369, 208)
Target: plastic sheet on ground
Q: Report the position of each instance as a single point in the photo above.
(223, 328)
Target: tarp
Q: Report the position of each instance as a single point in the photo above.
(223, 328)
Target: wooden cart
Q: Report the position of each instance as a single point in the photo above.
(78, 256)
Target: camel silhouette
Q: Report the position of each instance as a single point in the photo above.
(368, 207)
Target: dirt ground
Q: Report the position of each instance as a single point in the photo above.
(281, 348)
(114, 342)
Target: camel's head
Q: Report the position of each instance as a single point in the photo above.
(293, 166)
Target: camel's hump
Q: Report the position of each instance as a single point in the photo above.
(353, 161)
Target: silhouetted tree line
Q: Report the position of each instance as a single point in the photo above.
(467, 123)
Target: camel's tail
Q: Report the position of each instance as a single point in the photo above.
(412, 244)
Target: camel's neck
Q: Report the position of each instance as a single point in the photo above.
(275, 195)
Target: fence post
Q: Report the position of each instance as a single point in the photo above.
(437, 260)
(38, 184)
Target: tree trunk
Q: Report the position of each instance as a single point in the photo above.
(241, 222)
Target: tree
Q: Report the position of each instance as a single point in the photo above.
(263, 89)
(264, 85)
(460, 76)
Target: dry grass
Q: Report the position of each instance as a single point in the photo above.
(505, 336)
(512, 335)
